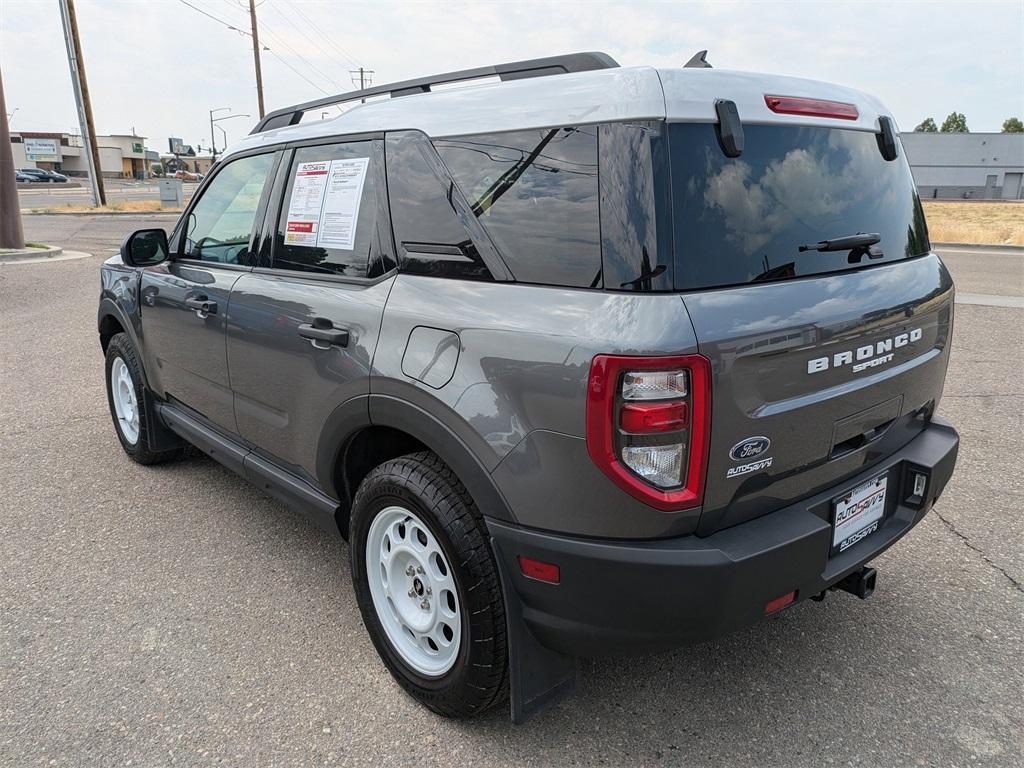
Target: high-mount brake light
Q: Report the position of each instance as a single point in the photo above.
(648, 426)
(798, 105)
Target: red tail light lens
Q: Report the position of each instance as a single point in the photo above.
(655, 449)
(795, 105)
(653, 417)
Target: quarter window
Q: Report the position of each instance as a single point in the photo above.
(536, 194)
(431, 237)
(328, 220)
(221, 222)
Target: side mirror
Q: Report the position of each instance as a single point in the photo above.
(144, 248)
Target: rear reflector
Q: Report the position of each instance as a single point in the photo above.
(653, 417)
(773, 606)
(541, 571)
(795, 105)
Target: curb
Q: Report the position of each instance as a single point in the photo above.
(46, 252)
(101, 213)
(980, 247)
(56, 254)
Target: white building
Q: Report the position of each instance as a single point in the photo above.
(986, 166)
(122, 156)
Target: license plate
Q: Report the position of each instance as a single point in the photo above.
(858, 514)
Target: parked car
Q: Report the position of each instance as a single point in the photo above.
(186, 175)
(596, 360)
(19, 176)
(41, 174)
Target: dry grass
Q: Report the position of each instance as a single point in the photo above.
(114, 206)
(996, 223)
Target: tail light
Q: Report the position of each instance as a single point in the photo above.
(648, 426)
(795, 105)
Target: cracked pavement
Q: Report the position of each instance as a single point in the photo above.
(177, 616)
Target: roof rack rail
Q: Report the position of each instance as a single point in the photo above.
(517, 70)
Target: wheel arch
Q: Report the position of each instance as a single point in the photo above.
(367, 430)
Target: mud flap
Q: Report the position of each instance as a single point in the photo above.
(538, 676)
(158, 436)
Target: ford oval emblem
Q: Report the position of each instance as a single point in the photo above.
(749, 448)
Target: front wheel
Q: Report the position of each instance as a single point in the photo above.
(428, 587)
(125, 398)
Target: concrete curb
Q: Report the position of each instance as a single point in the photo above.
(101, 213)
(61, 255)
(980, 247)
(46, 252)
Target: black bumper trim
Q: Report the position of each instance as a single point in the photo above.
(618, 597)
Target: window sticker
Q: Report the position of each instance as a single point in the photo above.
(324, 207)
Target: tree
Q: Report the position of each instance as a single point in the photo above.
(927, 126)
(156, 169)
(956, 122)
(1013, 125)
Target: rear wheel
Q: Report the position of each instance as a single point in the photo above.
(125, 398)
(428, 587)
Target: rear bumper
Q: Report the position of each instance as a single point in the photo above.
(633, 597)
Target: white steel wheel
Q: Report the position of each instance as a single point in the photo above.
(413, 591)
(126, 404)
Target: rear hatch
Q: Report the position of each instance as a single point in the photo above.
(823, 362)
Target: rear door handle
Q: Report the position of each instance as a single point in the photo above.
(202, 305)
(322, 330)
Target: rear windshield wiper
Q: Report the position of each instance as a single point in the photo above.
(848, 243)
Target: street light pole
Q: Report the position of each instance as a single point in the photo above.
(213, 140)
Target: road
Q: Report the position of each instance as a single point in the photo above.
(61, 195)
(177, 616)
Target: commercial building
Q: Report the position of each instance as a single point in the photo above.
(122, 156)
(973, 166)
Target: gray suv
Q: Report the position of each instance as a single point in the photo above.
(580, 359)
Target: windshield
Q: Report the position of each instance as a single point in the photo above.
(742, 220)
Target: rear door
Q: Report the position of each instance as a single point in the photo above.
(185, 300)
(305, 322)
(823, 362)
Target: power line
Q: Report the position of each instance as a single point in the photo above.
(313, 25)
(211, 16)
(280, 41)
(293, 69)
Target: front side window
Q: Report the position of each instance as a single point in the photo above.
(220, 225)
(328, 219)
(536, 194)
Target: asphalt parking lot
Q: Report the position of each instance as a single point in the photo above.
(177, 616)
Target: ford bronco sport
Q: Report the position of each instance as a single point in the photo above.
(580, 359)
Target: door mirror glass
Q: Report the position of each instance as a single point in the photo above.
(144, 248)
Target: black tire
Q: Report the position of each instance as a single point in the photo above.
(425, 485)
(121, 347)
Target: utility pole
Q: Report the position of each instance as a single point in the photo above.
(365, 77)
(256, 57)
(11, 233)
(81, 88)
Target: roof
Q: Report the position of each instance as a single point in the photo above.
(598, 96)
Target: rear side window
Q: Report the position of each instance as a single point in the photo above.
(742, 220)
(328, 219)
(536, 194)
(431, 238)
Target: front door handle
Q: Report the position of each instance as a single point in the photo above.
(202, 305)
(323, 331)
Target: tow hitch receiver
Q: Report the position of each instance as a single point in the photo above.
(860, 583)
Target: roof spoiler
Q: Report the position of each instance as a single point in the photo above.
(516, 70)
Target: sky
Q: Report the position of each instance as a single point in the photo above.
(156, 67)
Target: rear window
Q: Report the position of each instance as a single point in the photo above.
(741, 220)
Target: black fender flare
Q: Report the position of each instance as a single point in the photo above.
(363, 411)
